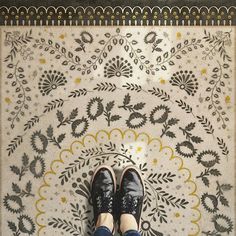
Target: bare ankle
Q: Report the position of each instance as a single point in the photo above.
(105, 219)
(128, 222)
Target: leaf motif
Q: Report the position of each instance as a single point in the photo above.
(110, 105)
(49, 131)
(172, 121)
(12, 226)
(28, 187)
(224, 201)
(15, 170)
(170, 134)
(60, 116)
(115, 117)
(61, 137)
(215, 172)
(73, 114)
(205, 180)
(196, 139)
(126, 99)
(226, 187)
(139, 106)
(16, 188)
(190, 126)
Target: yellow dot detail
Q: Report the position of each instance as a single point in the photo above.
(63, 200)
(139, 149)
(154, 162)
(7, 100)
(227, 99)
(203, 71)
(62, 36)
(177, 214)
(77, 80)
(42, 61)
(178, 35)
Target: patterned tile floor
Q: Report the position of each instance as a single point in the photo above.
(161, 98)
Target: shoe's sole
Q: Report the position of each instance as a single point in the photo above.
(140, 175)
(111, 171)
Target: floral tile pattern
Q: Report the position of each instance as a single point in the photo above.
(161, 98)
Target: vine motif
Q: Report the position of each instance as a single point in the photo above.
(176, 52)
(217, 43)
(18, 42)
(19, 82)
(216, 89)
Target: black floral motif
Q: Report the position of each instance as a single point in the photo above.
(51, 80)
(210, 202)
(78, 132)
(208, 163)
(147, 230)
(151, 38)
(136, 120)
(26, 225)
(208, 159)
(86, 37)
(117, 67)
(37, 137)
(95, 108)
(186, 149)
(52, 139)
(222, 223)
(163, 114)
(186, 81)
(37, 167)
(13, 203)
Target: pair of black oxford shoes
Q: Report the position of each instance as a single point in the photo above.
(127, 200)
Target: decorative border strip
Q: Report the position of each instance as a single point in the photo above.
(62, 16)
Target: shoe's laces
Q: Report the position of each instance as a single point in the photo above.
(104, 202)
(129, 203)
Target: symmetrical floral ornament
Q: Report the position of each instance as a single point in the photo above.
(51, 80)
(117, 67)
(93, 150)
(157, 107)
(186, 81)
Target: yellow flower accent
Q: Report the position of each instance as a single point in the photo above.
(162, 81)
(177, 214)
(139, 149)
(42, 61)
(178, 35)
(203, 71)
(62, 36)
(63, 200)
(8, 100)
(227, 99)
(154, 162)
(77, 80)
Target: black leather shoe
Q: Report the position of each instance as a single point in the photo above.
(103, 189)
(131, 194)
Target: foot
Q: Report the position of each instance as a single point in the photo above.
(131, 198)
(103, 188)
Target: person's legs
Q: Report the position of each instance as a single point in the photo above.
(132, 233)
(103, 188)
(102, 231)
(131, 196)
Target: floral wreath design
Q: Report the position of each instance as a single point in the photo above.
(88, 152)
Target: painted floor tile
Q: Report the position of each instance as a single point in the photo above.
(161, 98)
